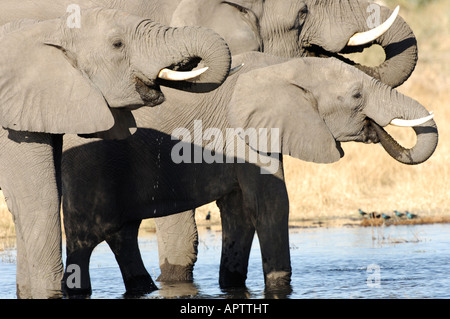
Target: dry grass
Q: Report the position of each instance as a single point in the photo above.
(6, 224)
(397, 221)
(367, 177)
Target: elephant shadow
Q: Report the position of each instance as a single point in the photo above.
(109, 186)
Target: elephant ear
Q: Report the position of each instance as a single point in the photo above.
(41, 90)
(271, 98)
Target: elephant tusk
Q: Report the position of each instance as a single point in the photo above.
(235, 69)
(411, 123)
(361, 38)
(171, 75)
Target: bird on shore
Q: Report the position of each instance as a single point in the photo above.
(398, 214)
(410, 216)
(361, 212)
(374, 215)
(385, 217)
(208, 216)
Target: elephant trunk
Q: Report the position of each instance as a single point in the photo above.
(185, 49)
(211, 51)
(400, 46)
(406, 108)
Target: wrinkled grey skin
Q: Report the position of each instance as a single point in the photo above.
(126, 181)
(57, 80)
(288, 28)
(308, 28)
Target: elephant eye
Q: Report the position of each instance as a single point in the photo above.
(357, 95)
(118, 44)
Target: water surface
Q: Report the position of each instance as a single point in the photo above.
(379, 262)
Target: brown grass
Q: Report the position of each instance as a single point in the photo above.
(6, 224)
(396, 221)
(367, 177)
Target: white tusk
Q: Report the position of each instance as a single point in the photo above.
(235, 69)
(361, 38)
(171, 75)
(412, 123)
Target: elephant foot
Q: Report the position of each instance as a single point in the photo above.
(76, 293)
(76, 282)
(278, 285)
(39, 293)
(172, 273)
(278, 280)
(231, 279)
(139, 285)
(41, 287)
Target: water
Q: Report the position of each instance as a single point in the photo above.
(382, 262)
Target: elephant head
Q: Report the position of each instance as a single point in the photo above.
(299, 28)
(335, 103)
(63, 78)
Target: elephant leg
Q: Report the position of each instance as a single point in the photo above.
(23, 284)
(266, 199)
(273, 235)
(29, 164)
(237, 237)
(83, 233)
(77, 280)
(124, 244)
(177, 246)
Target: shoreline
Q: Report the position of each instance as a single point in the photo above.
(337, 222)
(7, 231)
(7, 237)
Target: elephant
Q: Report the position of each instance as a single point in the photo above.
(289, 28)
(58, 79)
(227, 148)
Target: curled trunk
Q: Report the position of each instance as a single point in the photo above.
(211, 51)
(188, 48)
(424, 148)
(390, 105)
(400, 46)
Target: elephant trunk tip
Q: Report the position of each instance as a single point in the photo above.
(427, 141)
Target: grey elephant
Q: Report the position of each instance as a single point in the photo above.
(59, 79)
(227, 146)
(287, 28)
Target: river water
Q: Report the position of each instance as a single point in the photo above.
(370, 262)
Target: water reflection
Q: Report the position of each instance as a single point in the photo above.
(178, 290)
(412, 262)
